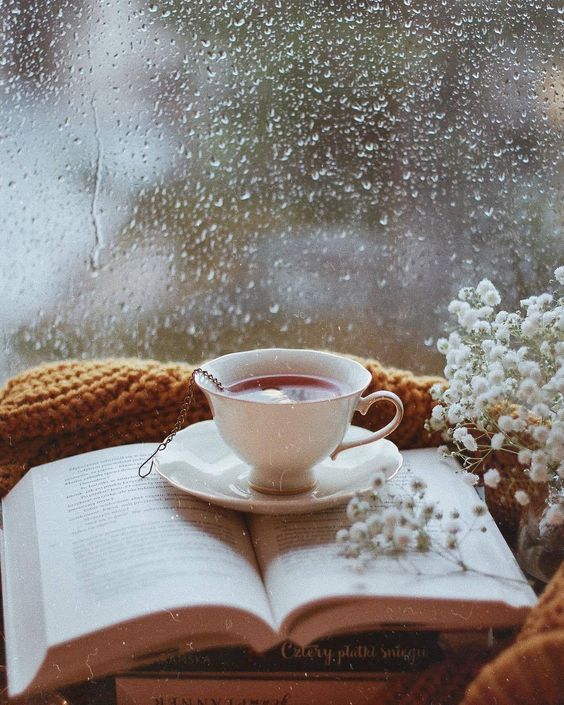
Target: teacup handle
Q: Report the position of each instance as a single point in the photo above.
(364, 403)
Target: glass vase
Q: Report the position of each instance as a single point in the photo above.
(540, 549)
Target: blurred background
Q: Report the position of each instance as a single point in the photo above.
(185, 178)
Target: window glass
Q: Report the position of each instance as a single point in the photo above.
(185, 178)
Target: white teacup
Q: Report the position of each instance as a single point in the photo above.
(283, 441)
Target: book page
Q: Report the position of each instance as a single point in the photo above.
(114, 546)
(302, 565)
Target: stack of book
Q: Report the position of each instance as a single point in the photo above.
(104, 573)
(341, 670)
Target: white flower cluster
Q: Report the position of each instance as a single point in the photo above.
(505, 374)
(383, 524)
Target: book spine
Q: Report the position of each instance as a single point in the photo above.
(241, 691)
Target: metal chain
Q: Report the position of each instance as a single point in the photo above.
(186, 404)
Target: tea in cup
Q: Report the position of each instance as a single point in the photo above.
(282, 411)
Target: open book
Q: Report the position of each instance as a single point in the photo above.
(102, 571)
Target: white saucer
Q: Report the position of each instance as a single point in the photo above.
(201, 464)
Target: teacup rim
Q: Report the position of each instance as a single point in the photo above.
(218, 393)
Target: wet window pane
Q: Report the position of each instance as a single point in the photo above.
(181, 179)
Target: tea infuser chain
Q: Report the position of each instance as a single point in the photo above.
(186, 403)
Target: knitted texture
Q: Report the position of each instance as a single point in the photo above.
(72, 407)
(529, 671)
(549, 614)
(442, 683)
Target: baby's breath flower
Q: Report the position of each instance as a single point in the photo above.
(559, 275)
(544, 299)
(417, 485)
(549, 317)
(479, 385)
(509, 386)
(481, 326)
(530, 368)
(538, 473)
(496, 374)
(531, 324)
(488, 293)
(545, 348)
(465, 294)
(358, 532)
(462, 354)
(470, 478)
(401, 538)
(391, 517)
(539, 460)
(438, 413)
(497, 352)
(378, 480)
(522, 497)
(505, 423)
(529, 392)
(352, 550)
(342, 536)
(485, 312)
(463, 436)
(455, 414)
(497, 441)
(356, 509)
(375, 524)
(519, 425)
(503, 333)
(541, 410)
(437, 389)
(393, 524)
(442, 347)
(540, 434)
(487, 346)
(468, 318)
(492, 478)
(524, 456)
(480, 404)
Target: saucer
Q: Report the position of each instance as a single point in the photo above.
(200, 463)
